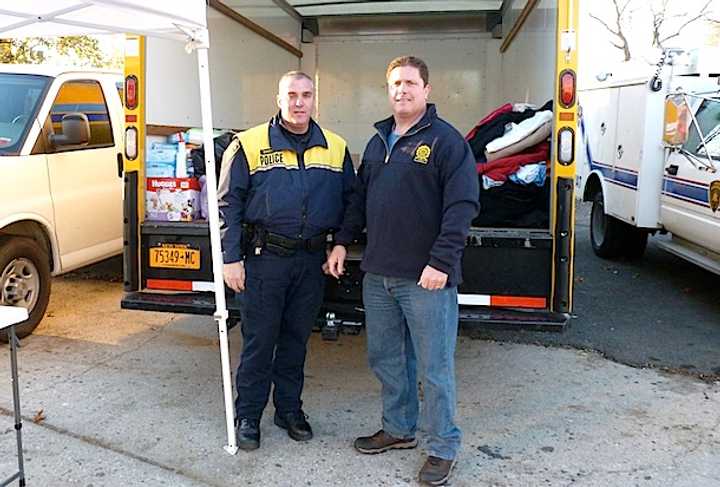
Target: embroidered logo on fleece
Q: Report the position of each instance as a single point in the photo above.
(422, 154)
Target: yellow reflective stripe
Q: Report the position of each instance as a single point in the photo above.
(261, 157)
(331, 158)
(320, 165)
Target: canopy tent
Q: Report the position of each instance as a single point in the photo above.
(38, 18)
(159, 18)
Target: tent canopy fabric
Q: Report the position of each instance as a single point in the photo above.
(160, 18)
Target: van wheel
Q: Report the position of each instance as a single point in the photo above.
(24, 281)
(635, 242)
(605, 230)
(612, 238)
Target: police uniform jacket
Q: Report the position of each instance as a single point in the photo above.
(417, 200)
(295, 186)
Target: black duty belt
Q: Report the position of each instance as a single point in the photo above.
(315, 243)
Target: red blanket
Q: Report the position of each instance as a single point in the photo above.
(488, 118)
(500, 169)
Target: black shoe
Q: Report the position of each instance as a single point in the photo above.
(248, 434)
(296, 425)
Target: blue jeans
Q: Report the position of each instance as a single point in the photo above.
(412, 332)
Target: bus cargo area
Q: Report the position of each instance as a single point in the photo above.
(518, 260)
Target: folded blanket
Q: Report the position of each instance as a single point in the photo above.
(519, 131)
(502, 168)
(541, 134)
(494, 129)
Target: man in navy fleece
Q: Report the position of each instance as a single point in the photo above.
(416, 193)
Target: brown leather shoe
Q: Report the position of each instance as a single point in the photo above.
(436, 471)
(382, 442)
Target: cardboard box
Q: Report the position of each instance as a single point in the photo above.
(160, 160)
(172, 199)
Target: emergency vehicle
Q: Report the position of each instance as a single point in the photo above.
(652, 164)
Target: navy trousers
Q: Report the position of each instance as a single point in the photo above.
(279, 307)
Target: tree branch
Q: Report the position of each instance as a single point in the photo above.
(604, 24)
(680, 29)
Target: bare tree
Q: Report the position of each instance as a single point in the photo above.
(619, 40)
(667, 25)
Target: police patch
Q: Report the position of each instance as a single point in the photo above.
(271, 158)
(714, 191)
(422, 154)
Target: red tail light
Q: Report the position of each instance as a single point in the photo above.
(131, 92)
(567, 88)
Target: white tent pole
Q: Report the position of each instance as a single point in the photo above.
(221, 313)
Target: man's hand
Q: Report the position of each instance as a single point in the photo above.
(432, 279)
(336, 261)
(234, 274)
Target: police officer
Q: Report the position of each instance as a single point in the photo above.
(283, 188)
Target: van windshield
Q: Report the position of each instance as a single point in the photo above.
(21, 95)
(708, 119)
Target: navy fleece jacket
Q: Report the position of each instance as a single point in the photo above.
(417, 201)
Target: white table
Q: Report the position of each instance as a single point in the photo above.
(9, 317)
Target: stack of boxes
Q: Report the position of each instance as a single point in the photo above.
(171, 192)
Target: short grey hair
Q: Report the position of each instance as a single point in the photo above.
(295, 75)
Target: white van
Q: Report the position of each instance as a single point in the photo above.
(653, 166)
(61, 163)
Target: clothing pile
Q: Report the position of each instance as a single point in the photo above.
(512, 152)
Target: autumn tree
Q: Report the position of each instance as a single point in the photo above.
(24, 51)
(36, 50)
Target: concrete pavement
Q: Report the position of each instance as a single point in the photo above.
(134, 398)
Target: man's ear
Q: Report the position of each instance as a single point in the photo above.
(277, 100)
(428, 88)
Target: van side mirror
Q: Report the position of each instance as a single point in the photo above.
(75, 130)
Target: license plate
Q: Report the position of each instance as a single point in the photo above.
(175, 256)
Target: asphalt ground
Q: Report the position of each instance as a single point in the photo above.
(659, 311)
